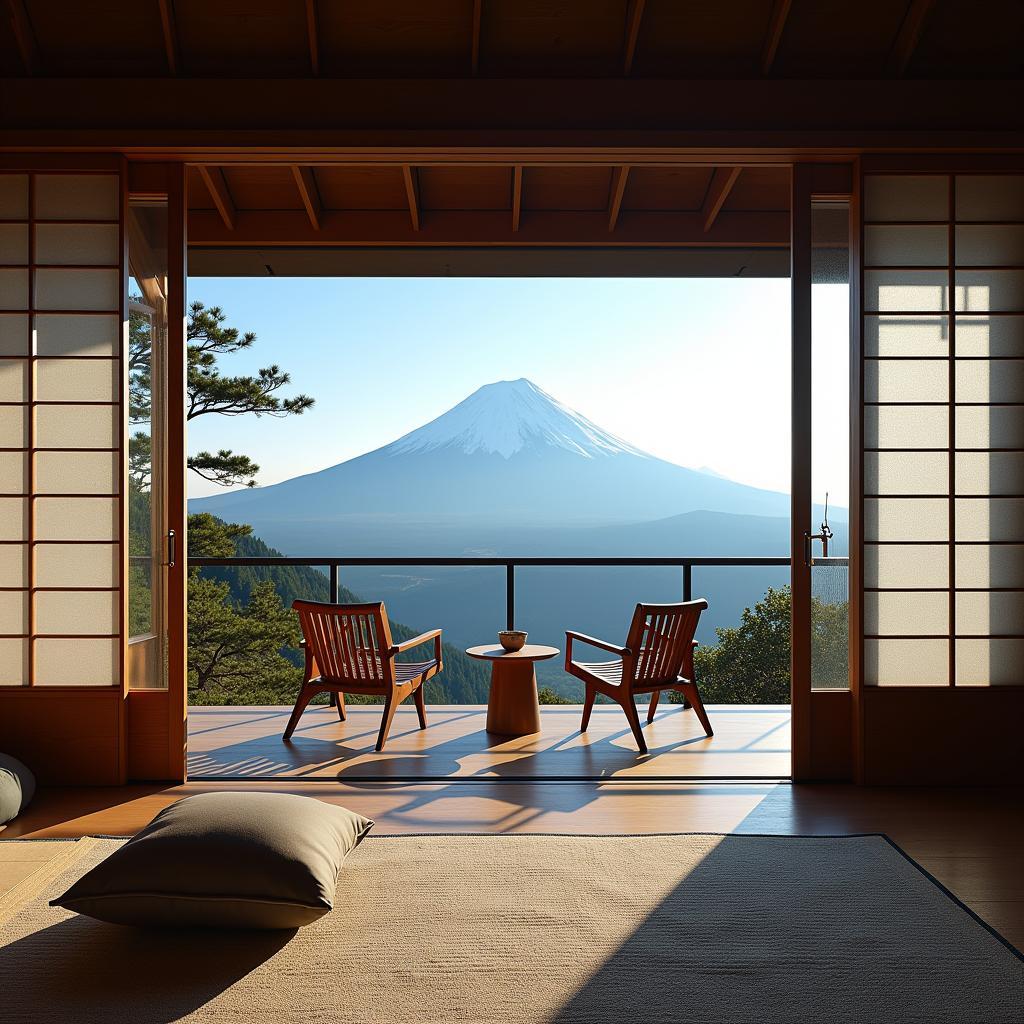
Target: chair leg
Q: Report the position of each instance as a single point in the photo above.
(342, 710)
(693, 696)
(633, 717)
(390, 706)
(417, 695)
(588, 706)
(306, 694)
(653, 705)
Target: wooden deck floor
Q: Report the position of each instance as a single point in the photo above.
(750, 742)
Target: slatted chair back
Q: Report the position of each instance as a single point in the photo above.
(350, 642)
(661, 643)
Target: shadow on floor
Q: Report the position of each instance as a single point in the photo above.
(86, 971)
(322, 747)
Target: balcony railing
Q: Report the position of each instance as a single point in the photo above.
(334, 564)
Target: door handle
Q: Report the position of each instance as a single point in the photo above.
(809, 538)
(172, 548)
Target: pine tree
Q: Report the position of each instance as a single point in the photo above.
(209, 392)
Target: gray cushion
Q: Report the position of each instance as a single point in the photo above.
(224, 860)
(17, 787)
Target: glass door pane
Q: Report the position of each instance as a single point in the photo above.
(147, 511)
(830, 443)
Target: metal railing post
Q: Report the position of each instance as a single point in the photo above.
(510, 595)
(687, 581)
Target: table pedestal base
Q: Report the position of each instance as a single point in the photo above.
(513, 709)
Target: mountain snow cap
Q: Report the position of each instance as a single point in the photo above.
(508, 417)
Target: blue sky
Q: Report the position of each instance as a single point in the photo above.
(695, 371)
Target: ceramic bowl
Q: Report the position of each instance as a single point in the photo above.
(512, 639)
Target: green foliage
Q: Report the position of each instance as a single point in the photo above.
(545, 695)
(234, 652)
(830, 642)
(210, 537)
(209, 392)
(750, 664)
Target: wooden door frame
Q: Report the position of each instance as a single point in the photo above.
(831, 712)
(157, 718)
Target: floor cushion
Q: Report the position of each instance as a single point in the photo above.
(17, 787)
(224, 860)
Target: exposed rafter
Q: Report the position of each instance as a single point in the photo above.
(490, 228)
(908, 36)
(517, 196)
(170, 34)
(776, 26)
(615, 197)
(218, 187)
(305, 181)
(312, 29)
(475, 46)
(412, 195)
(633, 20)
(722, 181)
(25, 38)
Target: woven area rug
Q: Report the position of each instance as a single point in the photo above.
(541, 929)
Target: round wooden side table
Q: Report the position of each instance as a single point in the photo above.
(513, 708)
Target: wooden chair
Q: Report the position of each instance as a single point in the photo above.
(658, 656)
(349, 650)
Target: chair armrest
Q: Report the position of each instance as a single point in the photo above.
(405, 645)
(570, 636)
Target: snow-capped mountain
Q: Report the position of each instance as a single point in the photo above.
(507, 417)
(509, 456)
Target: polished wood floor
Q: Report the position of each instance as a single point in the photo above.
(971, 840)
(750, 742)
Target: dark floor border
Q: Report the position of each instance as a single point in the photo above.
(952, 896)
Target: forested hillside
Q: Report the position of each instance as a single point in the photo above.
(463, 680)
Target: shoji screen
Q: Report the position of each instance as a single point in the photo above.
(943, 470)
(61, 313)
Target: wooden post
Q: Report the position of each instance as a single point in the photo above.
(800, 489)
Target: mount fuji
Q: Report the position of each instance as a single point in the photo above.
(509, 458)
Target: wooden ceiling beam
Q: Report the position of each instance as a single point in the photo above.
(505, 121)
(474, 58)
(486, 228)
(615, 197)
(722, 181)
(633, 21)
(776, 26)
(313, 32)
(170, 34)
(412, 195)
(517, 196)
(24, 36)
(213, 177)
(909, 36)
(305, 181)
